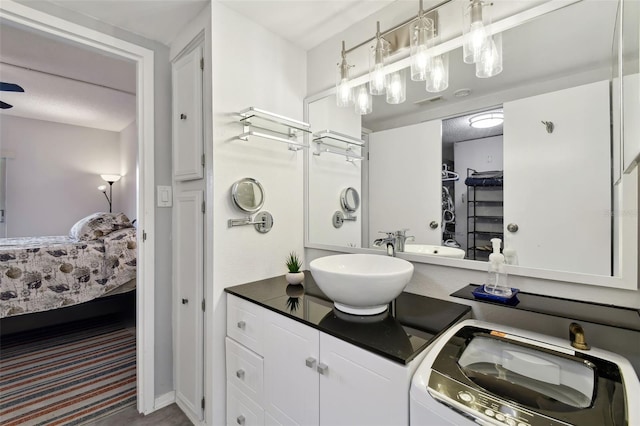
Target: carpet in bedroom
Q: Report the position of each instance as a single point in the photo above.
(67, 375)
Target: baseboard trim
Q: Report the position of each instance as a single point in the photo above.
(164, 400)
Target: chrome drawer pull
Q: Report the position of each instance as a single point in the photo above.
(323, 369)
(240, 419)
(242, 325)
(240, 374)
(311, 362)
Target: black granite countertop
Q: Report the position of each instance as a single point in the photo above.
(410, 324)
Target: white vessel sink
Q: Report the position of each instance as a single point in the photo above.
(361, 284)
(434, 250)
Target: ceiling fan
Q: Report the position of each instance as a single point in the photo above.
(8, 87)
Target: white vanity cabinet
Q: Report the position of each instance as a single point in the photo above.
(308, 377)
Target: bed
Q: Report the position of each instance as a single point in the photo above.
(96, 259)
(490, 178)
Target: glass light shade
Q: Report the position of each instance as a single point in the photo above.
(438, 79)
(363, 101)
(486, 120)
(102, 188)
(421, 35)
(110, 178)
(396, 87)
(490, 62)
(378, 56)
(474, 30)
(344, 94)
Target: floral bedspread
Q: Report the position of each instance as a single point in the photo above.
(43, 273)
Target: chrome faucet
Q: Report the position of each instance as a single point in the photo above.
(394, 241)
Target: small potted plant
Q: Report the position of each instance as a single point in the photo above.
(295, 275)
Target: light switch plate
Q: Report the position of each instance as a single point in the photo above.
(165, 196)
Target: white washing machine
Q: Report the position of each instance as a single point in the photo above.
(489, 374)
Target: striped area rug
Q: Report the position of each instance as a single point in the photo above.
(66, 376)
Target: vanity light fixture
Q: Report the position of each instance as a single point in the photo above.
(421, 36)
(363, 101)
(344, 92)
(486, 120)
(378, 57)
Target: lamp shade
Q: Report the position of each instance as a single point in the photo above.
(110, 178)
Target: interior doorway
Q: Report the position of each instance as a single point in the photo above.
(143, 58)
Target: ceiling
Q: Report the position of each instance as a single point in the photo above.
(159, 20)
(64, 82)
(306, 23)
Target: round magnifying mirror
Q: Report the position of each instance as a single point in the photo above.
(248, 195)
(350, 199)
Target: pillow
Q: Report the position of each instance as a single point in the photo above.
(98, 225)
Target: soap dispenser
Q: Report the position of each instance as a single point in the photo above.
(497, 280)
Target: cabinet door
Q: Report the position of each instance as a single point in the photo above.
(361, 388)
(397, 200)
(557, 186)
(187, 116)
(291, 381)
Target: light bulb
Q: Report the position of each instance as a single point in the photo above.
(378, 57)
(102, 188)
(476, 21)
(422, 38)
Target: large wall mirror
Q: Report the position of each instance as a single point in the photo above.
(553, 181)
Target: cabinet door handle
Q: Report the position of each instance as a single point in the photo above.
(240, 374)
(242, 325)
(240, 420)
(185, 301)
(323, 369)
(311, 362)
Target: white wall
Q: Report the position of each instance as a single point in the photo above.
(331, 174)
(251, 67)
(52, 180)
(162, 166)
(126, 187)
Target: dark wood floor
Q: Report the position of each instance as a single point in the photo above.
(168, 416)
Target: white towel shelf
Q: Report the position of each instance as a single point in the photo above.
(335, 136)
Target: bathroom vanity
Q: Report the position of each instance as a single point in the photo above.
(291, 357)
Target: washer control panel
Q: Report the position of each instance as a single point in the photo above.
(482, 406)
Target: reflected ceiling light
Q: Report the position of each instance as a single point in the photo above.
(486, 120)
(438, 78)
(344, 94)
(363, 100)
(422, 33)
(474, 29)
(378, 57)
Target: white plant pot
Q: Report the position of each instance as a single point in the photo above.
(294, 277)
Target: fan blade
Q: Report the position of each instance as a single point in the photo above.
(10, 87)
(5, 105)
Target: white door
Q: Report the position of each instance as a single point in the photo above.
(360, 388)
(291, 379)
(188, 312)
(557, 186)
(405, 181)
(187, 138)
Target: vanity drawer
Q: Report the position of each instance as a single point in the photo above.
(245, 370)
(241, 410)
(244, 323)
